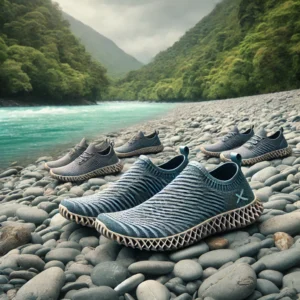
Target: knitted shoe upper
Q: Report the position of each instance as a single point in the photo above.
(95, 157)
(260, 144)
(141, 182)
(139, 141)
(232, 140)
(70, 156)
(192, 198)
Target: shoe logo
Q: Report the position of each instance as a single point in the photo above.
(240, 197)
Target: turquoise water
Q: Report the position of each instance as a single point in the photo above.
(27, 133)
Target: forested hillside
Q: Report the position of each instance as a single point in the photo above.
(243, 47)
(41, 58)
(114, 59)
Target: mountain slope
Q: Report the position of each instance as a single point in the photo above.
(243, 47)
(40, 58)
(117, 62)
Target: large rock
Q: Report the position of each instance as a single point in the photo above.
(217, 258)
(152, 290)
(32, 215)
(288, 223)
(108, 274)
(264, 174)
(44, 286)
(13, 236)
(235, 282)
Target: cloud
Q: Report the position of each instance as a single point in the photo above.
(142, 28)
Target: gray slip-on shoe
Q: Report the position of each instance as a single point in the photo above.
(95, 161)
(69, 157)
(143, 180)
(231, 140)
(261, 147)
(140, 144)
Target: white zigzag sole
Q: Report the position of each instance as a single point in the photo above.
(112, 169)
(81, 220)
(268, 156)
(147, 150)
(238, 218)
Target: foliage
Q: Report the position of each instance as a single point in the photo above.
(40, 57)
(243, 47)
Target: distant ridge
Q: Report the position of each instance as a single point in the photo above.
(115, 60)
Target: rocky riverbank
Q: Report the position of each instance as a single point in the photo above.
(44, 256)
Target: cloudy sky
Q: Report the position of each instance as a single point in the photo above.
(140, 27)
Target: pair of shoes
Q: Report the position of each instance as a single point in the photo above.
(252, 147)
(156, 208)
(84, 162)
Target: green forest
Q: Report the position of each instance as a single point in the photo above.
(40, 57)
(244, 47)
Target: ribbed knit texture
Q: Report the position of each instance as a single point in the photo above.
(192, 198)
(141, 182)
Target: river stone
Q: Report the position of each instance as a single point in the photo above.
(151, 267)
(32, 215)
(235, 282)
(102, 292)
(256, 168)
(215, 243)
(27, 261)
(44, 286)
(14, 236)
(129, 284)
(152, 290)
(264, 193)
(8, 173)
(281, 261)
(292, 280)
(288, 223)
(33, 191)
(97, 181)
(264, 174)
(266, 287)
(188, 270)
(62, 254)
(108, 274)
(283, 241)
(9, 209)
(273, 276)
(190, 252)
(217, 258)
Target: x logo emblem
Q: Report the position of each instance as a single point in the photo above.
(240, 197)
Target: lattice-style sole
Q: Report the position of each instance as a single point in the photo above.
(268, 156)
(208, 153)
(81, 220)
(116, 168)
(230, 220)
(147, 150)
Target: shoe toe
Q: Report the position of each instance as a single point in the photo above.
(115, 225)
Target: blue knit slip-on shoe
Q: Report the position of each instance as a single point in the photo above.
(231, 140)
(140, 144)
(97, 160)
(142, 181)
(69, 157)
(193, 206)
(262, 147)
